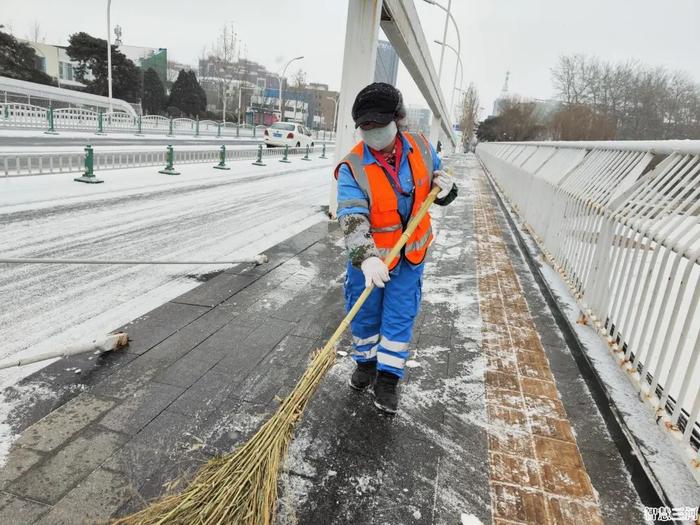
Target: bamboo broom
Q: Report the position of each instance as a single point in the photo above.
(241, 487)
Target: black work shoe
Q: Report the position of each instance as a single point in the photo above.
(363, 376)
(386, 397)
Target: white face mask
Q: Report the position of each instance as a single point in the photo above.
(379, 138)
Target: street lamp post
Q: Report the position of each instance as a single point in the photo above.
(279, 78)
(109, 55)
(459, 67)
(448, 15)
(335, 112)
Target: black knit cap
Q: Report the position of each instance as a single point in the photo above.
(379, 102)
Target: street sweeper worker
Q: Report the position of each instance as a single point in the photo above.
(382, 183)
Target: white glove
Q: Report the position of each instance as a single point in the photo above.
(444, 181)
(375, 271)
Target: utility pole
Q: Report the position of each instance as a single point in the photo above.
(109, 54)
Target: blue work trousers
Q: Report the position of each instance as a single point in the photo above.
(382, 329)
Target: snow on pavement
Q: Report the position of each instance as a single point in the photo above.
(203, 214)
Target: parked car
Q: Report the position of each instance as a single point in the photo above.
(288, 134)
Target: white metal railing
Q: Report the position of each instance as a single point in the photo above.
(119, 121)
(20, 164)
(621, 222)
(75, 118)
(14, 115)
(155, 122)
(22, 115)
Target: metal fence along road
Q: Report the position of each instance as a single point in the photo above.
(25, 116)
(621, 223)
(21, 164)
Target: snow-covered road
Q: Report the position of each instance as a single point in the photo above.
(204, 214)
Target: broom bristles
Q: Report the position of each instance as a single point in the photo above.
(241, 487)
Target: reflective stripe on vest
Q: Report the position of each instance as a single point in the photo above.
(385, 221)
(420, 243)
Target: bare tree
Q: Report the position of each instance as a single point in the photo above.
(469, 114)
(636, 101)
(518, 121)
(222, 56)
(299, 79)
(36, 34)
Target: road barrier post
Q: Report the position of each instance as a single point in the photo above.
(259, 161)
(306, 155)
(218, 130)
(169, 160)
(323, 152)
(89, 175)
(170, 130)
(196, 127)
(222, 159)
(284, 157)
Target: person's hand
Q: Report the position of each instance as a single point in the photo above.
(375, 271)
(444, 181)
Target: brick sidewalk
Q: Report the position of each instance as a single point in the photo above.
(537, 473)
(203, 371)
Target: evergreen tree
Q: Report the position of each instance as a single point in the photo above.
(91, 55)
(187, 95)
(19, 60)
(201, 95)
(154, 97)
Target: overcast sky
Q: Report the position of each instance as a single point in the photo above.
(521, 36)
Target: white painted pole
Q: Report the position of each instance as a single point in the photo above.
(109, 54)
(436, 123)
(359, 57)
(444, 37)
(104, 344)
(459, 67)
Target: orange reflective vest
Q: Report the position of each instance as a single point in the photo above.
(384, 218)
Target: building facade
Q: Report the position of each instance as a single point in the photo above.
(387, 65)
(55, 62)
(418, 119)
(148, 57)
(256, 89)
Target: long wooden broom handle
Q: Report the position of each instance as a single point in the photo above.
(412, 225)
